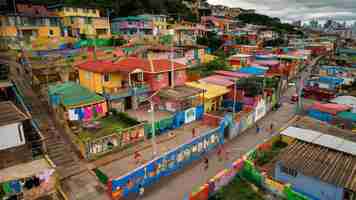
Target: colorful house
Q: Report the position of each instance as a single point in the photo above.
(187, 33)
(159, 23)
(240, 60)
(179, 98)
(77, 21)
(132, 25)
(29, 22)
(90, 126)
(73, 102)
(326, 82)
(128, 80)
(219, 24)
(213, 95)
(302, 165)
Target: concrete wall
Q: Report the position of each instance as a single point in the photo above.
(157, 83)
(12, 135)
(310, 186)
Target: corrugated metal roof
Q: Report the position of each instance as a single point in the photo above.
(217, 80)
(212, 90)
(233, 74)
(321, 139)
(301, 134)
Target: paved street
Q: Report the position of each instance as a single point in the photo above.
(176, 186)
(80, 184)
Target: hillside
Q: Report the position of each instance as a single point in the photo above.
(275, 23)
(129, 7)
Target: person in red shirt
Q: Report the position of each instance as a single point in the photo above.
(220, 152)
(137, 157)
(193, 133)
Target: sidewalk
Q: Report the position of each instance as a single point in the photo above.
(85, 186)
(126, 164)
(184, 182)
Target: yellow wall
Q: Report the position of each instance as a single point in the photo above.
(8, 31)
(44, 31)
(80, 12)
(94, 81)
(91, 80)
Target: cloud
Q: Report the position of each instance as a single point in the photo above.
(290, 10)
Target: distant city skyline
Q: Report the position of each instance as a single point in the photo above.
(292, 10)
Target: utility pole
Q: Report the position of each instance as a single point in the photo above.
(172, 65)
(234, 104)
(153, 138)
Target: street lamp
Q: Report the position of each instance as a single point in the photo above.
(153, 138)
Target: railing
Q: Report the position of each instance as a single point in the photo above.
(117, 91)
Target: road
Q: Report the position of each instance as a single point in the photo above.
(184, 182)
(174, 187)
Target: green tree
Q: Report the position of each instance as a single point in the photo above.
(212, 40)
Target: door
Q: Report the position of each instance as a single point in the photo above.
(349, 195)
(128, 103)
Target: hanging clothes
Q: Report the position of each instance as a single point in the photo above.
(80, 113)
(95, 114)
(7, 188)
(71, 115)
(29, 184)
(99, 108)
(88, 113)
(16, 187)
(104, 107)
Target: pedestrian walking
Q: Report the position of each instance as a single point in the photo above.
(220, 152)
(141, 191)
(137, 157)
(271, 128)
(206, 163)
(258, 129)
(193, 133)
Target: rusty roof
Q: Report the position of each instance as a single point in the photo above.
(328, 165)
(10, 114)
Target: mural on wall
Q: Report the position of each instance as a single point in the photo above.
(190, 115)
(165, 165)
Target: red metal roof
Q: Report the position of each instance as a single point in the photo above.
(232, 74)
(131, 64)
(218, 80)
(330, 107)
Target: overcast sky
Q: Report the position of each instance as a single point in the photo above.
(290, 10)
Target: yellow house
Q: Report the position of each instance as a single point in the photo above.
(213, 95)
(30, 22)
(98, 77)
(159, 22)
(80, 20)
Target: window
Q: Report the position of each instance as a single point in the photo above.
(87, 75)
(53, 22)
(93, 11)
(50, 32)
(75, 9)
(106, 77)
(159, 77)
(88, 20)
(71, 18)
(289, 171)
(19, 127)
(85, 10)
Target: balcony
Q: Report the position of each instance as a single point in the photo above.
(139, 88)
(116, 92)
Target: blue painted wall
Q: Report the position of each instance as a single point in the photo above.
(310, 186)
